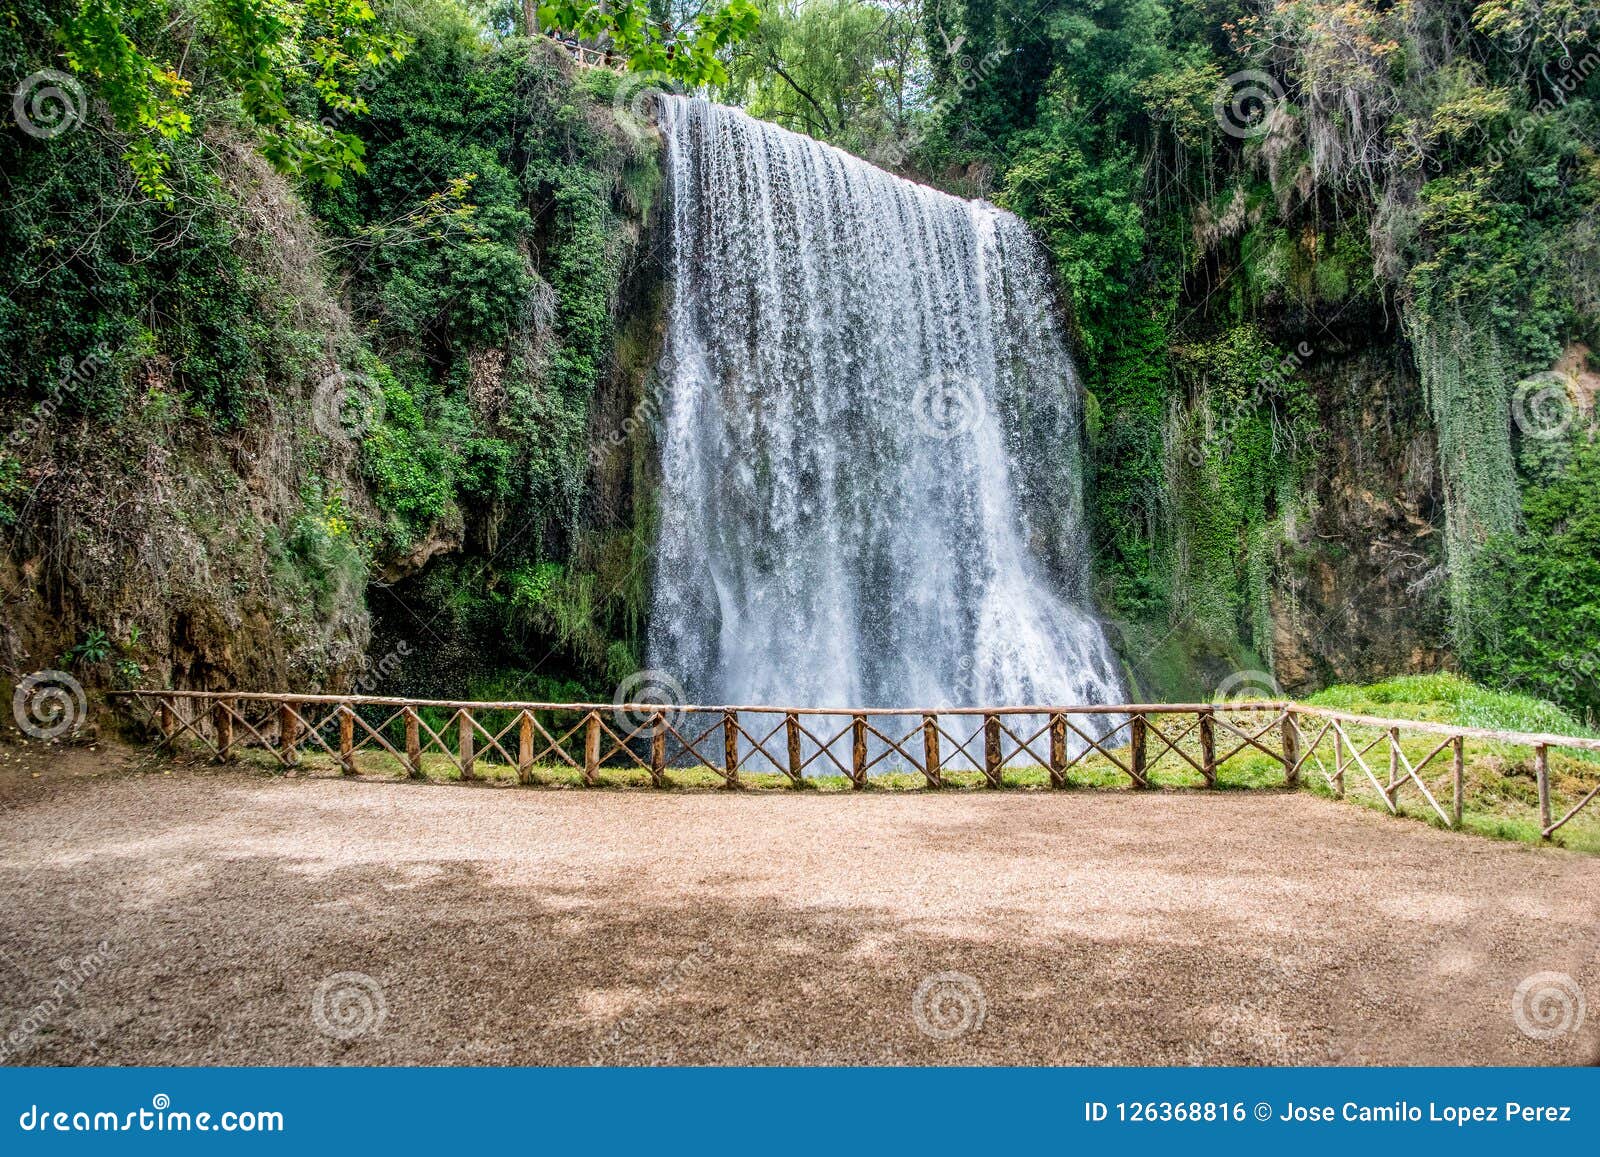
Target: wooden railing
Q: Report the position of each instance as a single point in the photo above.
(736, 742)
(589, 56)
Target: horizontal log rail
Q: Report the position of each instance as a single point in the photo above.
(736, 741)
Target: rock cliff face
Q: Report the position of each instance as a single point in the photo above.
(1358, 595)
(187, 555)
(151, 549)
(155, 539)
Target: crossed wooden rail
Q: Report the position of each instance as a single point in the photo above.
(658, 737)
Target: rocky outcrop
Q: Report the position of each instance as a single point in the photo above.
(1359, 586)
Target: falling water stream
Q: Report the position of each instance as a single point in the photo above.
(871, 487)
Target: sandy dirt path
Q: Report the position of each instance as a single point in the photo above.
(206, 916)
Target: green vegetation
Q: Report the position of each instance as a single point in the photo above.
(276, 211)
(1539, 627)
(1222, 186)
(264, 56)
(1451, 699)
(246, 199)
(837, 70)
(679, 41)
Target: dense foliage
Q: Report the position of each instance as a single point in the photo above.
(1222, 185)
(476, 227)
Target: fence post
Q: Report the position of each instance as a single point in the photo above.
(791, 732)
(591, 749)
(1137, 764)
(1458, 769)
(1541, 763)
(730, 747)
(223, 719)
(1208, 747)
(858, 752)
(413, 743)
(1338, 762)
(1058, 750)
(1291, 750)
(1394, 764)
(658, 750)
(347, 736)
(466, 742)
(288, 731)
(991, 750)
(931, 767)
(166, 717)
(525, 747)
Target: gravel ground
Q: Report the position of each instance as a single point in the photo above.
(203, 916)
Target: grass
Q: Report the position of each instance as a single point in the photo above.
(1500, 797)
(1446, 698)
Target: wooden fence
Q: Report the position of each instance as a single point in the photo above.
(735, 742)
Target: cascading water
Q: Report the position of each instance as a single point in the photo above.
(871, 489)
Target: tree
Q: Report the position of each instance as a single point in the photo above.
(267, 52)
(845, 71)
(678, 41)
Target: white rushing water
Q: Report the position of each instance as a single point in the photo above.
(871, 483)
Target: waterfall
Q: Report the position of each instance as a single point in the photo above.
(871, 481)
